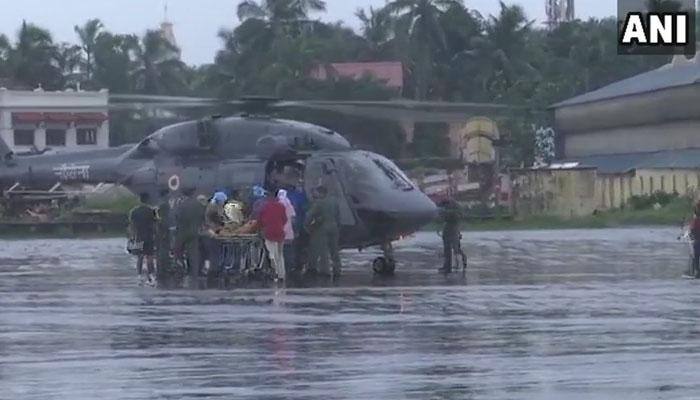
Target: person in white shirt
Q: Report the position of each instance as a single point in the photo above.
(289, 233)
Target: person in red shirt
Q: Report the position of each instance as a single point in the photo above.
(273, 217)
(695, 237)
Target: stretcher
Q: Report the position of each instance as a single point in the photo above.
(240, 252)
(243, 259)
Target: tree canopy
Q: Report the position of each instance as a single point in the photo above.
(449, 51)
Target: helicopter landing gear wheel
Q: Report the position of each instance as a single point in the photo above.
(385, 265)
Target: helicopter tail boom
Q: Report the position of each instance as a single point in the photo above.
(5, 151)
(43, 171)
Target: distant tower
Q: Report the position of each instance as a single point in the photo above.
(559, 11)
(167, 30)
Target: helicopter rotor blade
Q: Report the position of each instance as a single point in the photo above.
(393, 110)
(403, 110)
(145, 98)
(398, 104)
(127, 102)
(138, 102)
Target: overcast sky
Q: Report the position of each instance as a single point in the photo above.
(198, 21)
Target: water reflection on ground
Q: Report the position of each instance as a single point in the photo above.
(594, 314)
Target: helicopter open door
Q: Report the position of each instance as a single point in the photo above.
(323, 170)
(311, 171)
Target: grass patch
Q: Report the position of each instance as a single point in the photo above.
(117, 205)
(672, 214)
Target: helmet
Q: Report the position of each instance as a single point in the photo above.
(219, 198)
(258, 191)
(233, 210)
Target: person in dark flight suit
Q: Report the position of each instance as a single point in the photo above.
(323, 223)
(214, 221)
(189, 220)
(451, 215)
(301, 241)
(163, 237)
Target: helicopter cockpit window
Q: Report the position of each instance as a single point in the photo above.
(394, 173)
(357, 170)
(364, 168)
(146, 149)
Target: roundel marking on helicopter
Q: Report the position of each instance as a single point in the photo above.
(174, 183)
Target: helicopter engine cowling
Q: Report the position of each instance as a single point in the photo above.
(268, 146)
(185, 138)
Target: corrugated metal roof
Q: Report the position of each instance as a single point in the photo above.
(668, 76)
(620, 163)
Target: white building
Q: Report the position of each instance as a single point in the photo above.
(167, 30)
(60, 121)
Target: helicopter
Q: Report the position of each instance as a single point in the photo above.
(378, 203)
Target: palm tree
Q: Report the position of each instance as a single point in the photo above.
(68, 60)
(277, 11)
(376, 29)
(461, 26)
(277, 18)
(32, 59)
(88, 35)
(5, 48)
(157, 69)
(664, 6)
(503, 51)
(257, 54)
(420, 20)
(113, 59)
(226, 76)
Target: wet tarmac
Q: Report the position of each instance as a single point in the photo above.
(599, 314)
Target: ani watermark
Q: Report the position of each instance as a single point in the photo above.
(656, 27)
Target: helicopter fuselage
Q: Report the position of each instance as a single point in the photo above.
(378, 203)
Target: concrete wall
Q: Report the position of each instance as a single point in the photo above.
(614, 191)
(564, 193)
(637, 139)
(578, 192)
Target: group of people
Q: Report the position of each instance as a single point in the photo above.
(300, 236)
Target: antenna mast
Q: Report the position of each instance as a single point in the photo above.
(559, 11)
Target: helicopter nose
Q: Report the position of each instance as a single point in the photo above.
(412, 212)
(422, 210)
